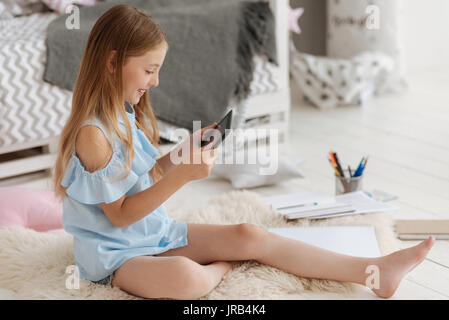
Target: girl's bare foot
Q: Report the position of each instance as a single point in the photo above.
(393, 267)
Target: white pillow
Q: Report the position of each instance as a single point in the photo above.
(249, 175)
(355, 26)
(171, 132)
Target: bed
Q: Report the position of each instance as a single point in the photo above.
(33, 112)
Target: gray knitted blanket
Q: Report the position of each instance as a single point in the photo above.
(200, 74)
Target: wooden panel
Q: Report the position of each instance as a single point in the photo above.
(20, 166)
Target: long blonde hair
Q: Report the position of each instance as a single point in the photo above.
(97, 93)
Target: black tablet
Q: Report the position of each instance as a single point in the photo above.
(223, 126)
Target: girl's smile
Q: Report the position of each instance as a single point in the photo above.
(141, 92)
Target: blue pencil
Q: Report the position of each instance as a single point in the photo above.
(364, 166)
(359, 170)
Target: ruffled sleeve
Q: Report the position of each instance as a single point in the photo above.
(107, 184)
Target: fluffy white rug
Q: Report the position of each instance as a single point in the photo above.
(33, 264)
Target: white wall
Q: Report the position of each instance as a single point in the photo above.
(426, 35)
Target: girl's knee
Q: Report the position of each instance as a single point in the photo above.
(192, 278)
(251, 231)
(253, 238)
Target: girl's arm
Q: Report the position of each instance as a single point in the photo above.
(165, 163)
(141, 204)
(94, 151)
(127, 210)
(133, 208)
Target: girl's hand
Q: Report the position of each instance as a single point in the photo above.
(193, 142)
(202, 161)
(199, 162)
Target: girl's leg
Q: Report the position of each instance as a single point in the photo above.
(308, 261)
(207, 243)
(168, 277)
(211, 242)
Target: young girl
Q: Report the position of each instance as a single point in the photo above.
(114, 184)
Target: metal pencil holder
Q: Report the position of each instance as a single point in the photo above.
(347, 184)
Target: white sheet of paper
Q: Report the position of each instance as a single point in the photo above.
(358, 241)
(363, 203)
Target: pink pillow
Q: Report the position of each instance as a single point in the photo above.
(30, 208)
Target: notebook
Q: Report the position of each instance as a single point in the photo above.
(318, 211)
(313, 205)
(357, 241)
(422, 229)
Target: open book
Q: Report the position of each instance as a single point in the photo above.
(313, 205)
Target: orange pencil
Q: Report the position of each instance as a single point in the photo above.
(331, 154)
(334, 166)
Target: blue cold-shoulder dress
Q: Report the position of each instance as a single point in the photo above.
(100, 248)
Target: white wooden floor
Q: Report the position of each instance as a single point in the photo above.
(407, 140)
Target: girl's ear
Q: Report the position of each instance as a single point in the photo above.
(110, 63)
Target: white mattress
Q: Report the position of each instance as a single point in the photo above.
(32, 109)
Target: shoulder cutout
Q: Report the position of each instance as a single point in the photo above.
(93, 148)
